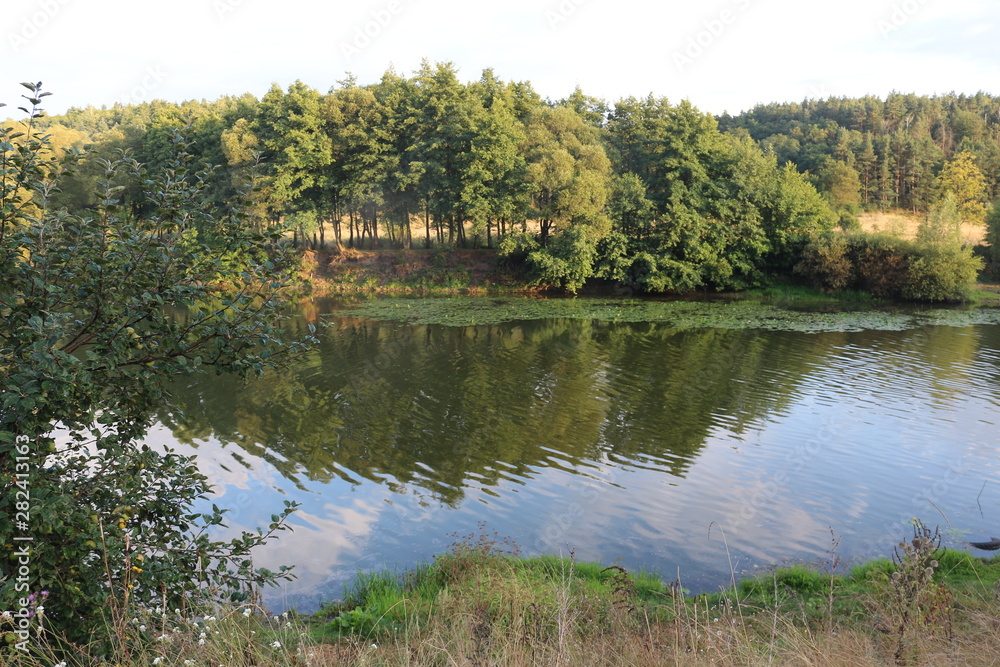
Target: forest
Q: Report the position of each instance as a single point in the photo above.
(642, 192)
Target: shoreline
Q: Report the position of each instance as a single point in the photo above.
(428, 272)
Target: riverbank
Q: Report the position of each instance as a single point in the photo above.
(453, 271)
(350, 271)
(481, 603)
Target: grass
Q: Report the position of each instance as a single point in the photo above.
(482, 603)
(476, 605)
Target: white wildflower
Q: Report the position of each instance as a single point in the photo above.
(157, 660)
(247, 612)
(275, 644)
(40, 611)
(142, 628)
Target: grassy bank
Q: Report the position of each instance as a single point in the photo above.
(481, 603)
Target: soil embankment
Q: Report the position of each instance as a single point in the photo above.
(399, 271)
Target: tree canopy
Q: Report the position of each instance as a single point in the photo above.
(655, 195)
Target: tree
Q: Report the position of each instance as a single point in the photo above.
(841, 185)
(993, 236)
(448, 118)
(963, 179)
(294, 147)
(568, 172)
(97, 312)
(943, 224)
(358, 167)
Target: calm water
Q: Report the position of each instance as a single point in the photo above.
(694, 452)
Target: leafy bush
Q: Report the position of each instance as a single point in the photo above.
(517, 245)
(941, 274)
(993, 236)
(96, 313)
(568, 260)
(890, 267)
(825, 262)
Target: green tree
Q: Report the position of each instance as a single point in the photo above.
(943, 224)
(359, 165)
(449, 115)
(568, 172)
(993, 236)
(295, 148)
(840, 184)
(96, 313)
(496, 190)
(963, 179)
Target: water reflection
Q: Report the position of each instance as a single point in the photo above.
(614, 440)
(438, 407)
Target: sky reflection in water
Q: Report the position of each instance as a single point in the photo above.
(670, 449)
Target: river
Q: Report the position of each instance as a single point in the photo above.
(697, 452)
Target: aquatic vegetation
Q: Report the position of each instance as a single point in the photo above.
(681, 314)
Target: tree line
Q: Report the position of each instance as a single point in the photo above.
(642, 192)
(887, 153)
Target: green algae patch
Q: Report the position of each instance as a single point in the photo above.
(717, 314)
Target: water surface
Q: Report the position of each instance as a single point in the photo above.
(694, 451)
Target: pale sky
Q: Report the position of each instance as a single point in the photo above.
(722, 55)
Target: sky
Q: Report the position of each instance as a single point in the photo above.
(722, 55)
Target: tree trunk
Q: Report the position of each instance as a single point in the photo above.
(427, 227)
(409, 230)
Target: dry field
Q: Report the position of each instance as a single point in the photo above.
(905, 225)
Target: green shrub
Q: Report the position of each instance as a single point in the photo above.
(936, 273)
(825, 262)
(88, 338)
(889, 267)
(993, 237)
